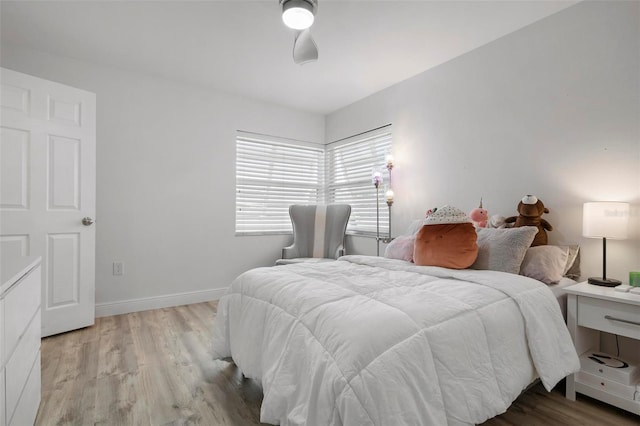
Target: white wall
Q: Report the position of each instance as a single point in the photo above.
(166, 180)
(551, 110)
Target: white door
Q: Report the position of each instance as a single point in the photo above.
(47, 187)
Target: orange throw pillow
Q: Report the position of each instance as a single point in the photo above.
(449, 245)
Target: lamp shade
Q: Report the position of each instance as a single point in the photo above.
(605, 220)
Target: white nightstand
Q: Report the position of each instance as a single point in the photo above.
(590, 310)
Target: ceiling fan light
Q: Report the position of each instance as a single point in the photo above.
(297, 14)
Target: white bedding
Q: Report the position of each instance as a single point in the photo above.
(374, 341)
(561, 295)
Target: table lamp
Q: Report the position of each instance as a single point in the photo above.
(605, 220)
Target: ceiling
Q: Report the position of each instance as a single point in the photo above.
(242, 47)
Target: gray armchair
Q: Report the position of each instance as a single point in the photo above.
(318, 233)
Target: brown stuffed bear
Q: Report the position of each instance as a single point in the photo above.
(531, 210)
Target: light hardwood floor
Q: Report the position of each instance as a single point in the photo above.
(155, 368)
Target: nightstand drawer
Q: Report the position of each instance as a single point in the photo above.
(612, 317)
(623, 391)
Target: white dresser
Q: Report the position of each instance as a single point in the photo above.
(20, 329)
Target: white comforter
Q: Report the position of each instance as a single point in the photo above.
(373, 341)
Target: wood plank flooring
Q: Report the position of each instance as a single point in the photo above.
(155, 368)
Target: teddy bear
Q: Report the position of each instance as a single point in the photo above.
(479, 216)
(530, 210)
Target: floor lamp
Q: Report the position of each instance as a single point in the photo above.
(389, 195)
(605, 220)
(377, 181)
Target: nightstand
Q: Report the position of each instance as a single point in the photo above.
(590, 310)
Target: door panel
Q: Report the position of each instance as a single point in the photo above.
(14, 98)
(14, 245)
(14, 168)
(47, 154)
(64, 173)
(63, 273)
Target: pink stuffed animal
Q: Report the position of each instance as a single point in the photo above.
(479, 216)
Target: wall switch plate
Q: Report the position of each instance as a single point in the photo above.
(118, 268)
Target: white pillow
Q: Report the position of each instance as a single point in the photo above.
(572, 268)
(545, 263)
(503, 249)
(414, 227)
(401, 248)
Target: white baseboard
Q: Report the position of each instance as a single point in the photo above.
(156, 302)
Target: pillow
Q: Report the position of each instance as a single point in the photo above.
(414, 227)
(503, 249)
(401, 248)
(572, 268)
(449, 245)
(545, 263)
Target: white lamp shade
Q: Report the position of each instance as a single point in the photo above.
(605, 220)
(297, 14)
(389, 195)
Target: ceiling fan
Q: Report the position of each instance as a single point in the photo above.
(299, 15)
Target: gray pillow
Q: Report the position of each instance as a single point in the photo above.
(545, 263)
(503, 249)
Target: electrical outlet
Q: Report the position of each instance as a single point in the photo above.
(118, 268)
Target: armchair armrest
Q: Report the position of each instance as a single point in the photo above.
(290, 252)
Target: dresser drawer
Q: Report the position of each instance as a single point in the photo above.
(608, 316)
(19, 366)
(27, 408)
(2, 350)
(3, 420)
(20, 303)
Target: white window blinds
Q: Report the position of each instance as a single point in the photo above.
(350, 165)
(271, 174)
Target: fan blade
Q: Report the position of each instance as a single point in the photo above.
(304, 48)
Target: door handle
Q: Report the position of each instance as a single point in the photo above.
(86, 221)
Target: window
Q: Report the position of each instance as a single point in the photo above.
(350, 164)
(271, 174)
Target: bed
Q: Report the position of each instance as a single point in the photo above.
(375, 341)
(558, 290)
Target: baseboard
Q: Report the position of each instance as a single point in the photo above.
(156, 302)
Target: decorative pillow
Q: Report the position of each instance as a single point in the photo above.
(449, 245)
(447, 214)
(545, 263)
(401, 248)
(503, 249)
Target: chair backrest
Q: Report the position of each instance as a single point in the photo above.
(319, 230)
